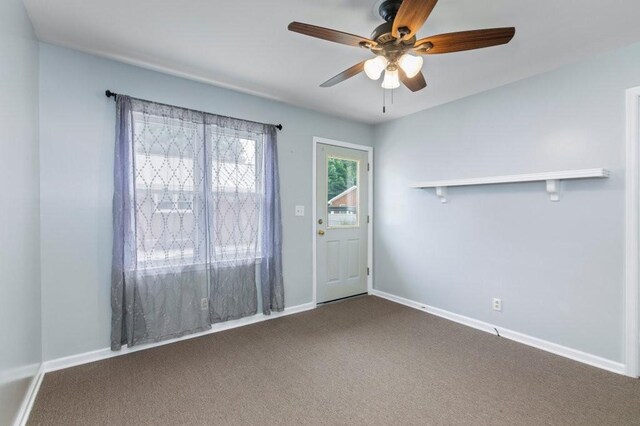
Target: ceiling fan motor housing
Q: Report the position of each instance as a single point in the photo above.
(387, 45)
(389, 9)
(383, 33)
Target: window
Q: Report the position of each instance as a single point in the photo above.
(186, 182)
(342, 192)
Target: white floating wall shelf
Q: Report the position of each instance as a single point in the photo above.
(552, 180)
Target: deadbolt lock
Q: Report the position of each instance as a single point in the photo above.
(320, 221)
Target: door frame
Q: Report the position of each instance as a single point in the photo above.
(632, 333)
(314, 210)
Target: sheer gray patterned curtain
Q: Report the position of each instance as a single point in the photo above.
(196, 221)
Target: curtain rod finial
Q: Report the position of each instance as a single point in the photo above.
(109, 94)
(279, 126)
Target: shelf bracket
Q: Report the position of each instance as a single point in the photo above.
(553, 188)
(441, 192)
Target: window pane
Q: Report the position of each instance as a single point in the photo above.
(236, 191)
(342, 192)
(168, 180)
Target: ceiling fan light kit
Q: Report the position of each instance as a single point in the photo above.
(411, 65)
(391, 79)
(398, 52)
(375, 67)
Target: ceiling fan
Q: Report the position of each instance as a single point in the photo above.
(395, 45)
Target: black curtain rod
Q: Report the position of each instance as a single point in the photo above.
(110, 94)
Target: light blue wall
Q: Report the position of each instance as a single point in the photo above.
(20, 323)
(77, 142)
(558, 267)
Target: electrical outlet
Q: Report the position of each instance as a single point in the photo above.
(299, 210)
(497, 304)
(204, 303)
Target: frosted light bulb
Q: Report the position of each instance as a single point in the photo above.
(374, 67)
(411, 65)
(391, 80)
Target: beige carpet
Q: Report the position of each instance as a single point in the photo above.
(361, 361)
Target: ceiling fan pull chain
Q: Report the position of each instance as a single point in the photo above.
(384, 102)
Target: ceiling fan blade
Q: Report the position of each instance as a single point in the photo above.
(464, 40)
(331, 35)
(411, 16)
(414, 84)
(344, 75)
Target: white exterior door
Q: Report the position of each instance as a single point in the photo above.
(341, 222)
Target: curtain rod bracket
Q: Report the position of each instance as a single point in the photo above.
(109, 94)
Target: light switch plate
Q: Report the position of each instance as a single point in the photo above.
(299, 210)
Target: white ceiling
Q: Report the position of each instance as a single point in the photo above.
(245, 45)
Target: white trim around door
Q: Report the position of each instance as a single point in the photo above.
(632, 333)
(369, 150)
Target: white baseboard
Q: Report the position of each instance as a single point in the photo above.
(544, 345)
(29, 398)
(100, 354)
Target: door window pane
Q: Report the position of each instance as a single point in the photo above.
(342, 192)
